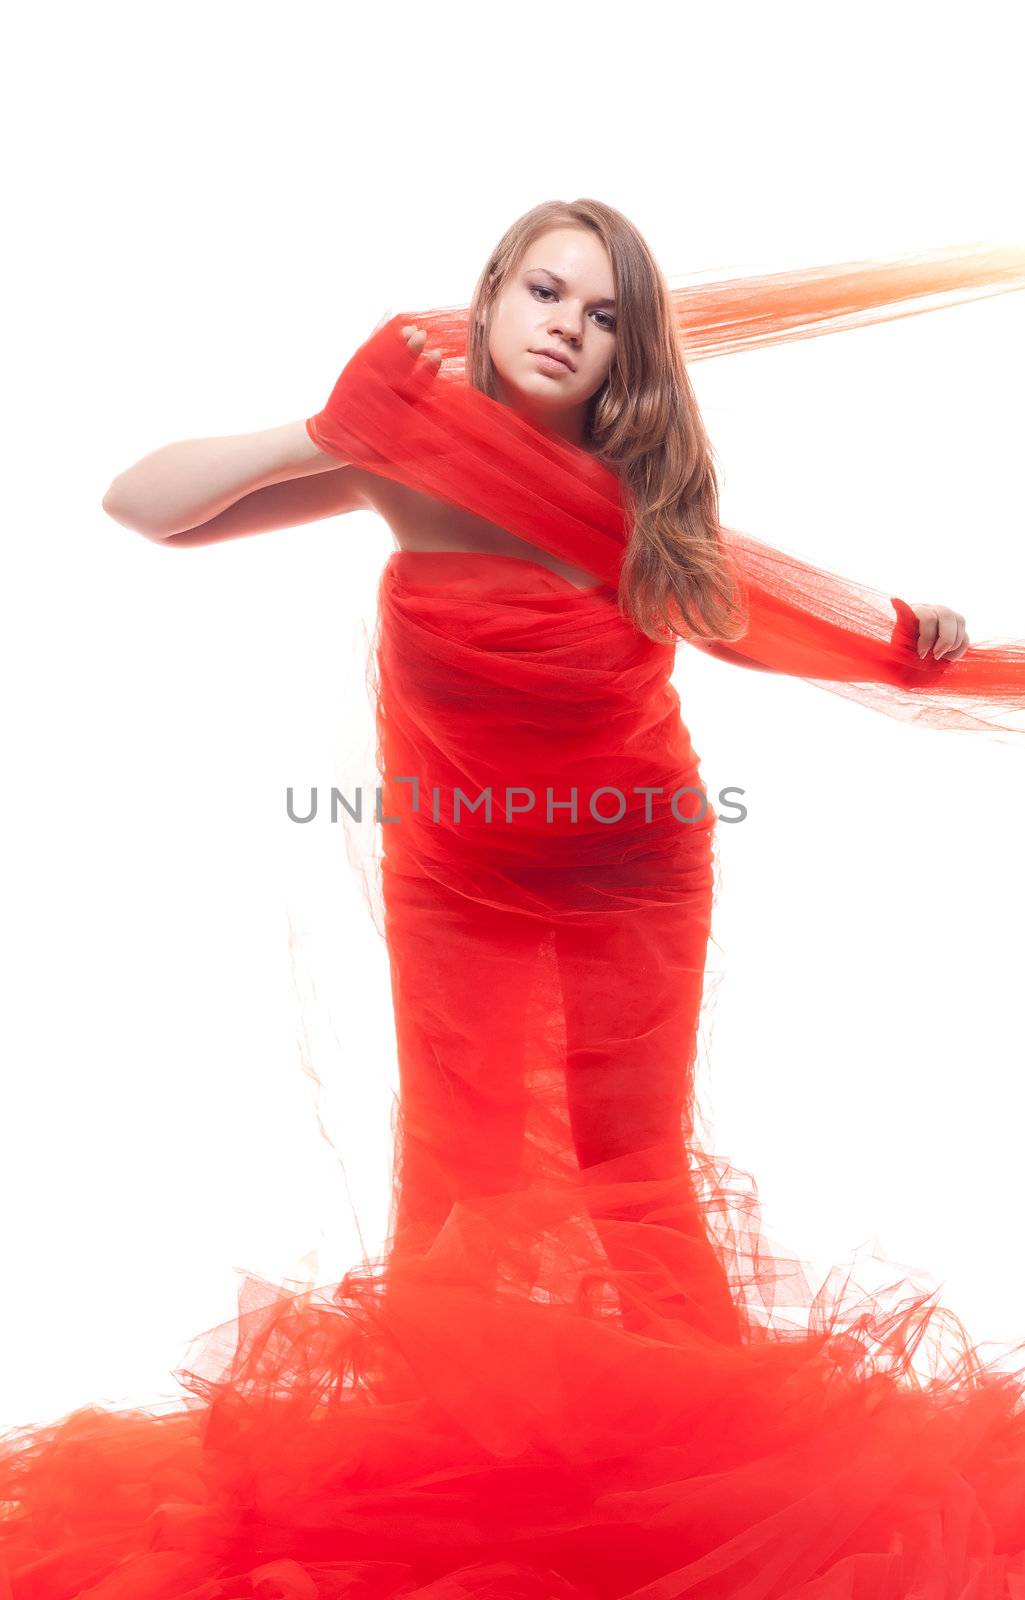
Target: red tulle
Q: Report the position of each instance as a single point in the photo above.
(399, 416)
(580, 1368)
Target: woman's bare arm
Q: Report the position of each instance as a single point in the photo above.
(279, 505)
(193, 486)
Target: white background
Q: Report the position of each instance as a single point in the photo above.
(212, 206)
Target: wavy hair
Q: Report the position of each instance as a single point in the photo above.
(643, 423)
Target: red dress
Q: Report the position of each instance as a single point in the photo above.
(578, 1370)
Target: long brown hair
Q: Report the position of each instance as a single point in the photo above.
(643, 423)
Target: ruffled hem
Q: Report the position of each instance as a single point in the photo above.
(423, 1428)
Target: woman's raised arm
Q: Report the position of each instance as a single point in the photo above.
(197, 491)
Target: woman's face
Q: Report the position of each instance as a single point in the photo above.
(561, 296)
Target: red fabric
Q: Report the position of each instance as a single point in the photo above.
(399, 416)
(580, 1369)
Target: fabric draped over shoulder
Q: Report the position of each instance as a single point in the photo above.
(579, 1369)
(397, 415)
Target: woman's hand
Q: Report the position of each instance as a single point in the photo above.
(940, 630)
(415, 338)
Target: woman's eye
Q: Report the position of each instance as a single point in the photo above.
(543, 288)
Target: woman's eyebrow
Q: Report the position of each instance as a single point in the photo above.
(562, 283)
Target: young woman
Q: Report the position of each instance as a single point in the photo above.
(567, 1375)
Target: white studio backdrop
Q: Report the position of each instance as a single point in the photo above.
(213, 206)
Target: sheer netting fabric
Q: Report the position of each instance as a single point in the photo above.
(580, 1368)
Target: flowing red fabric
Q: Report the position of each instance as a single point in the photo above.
(405, 420)
(579, 1368)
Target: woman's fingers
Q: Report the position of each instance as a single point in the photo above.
(940, 630)
(943, 632)
(421, 373)
(416, 338)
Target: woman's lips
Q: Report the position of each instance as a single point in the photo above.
(551, 363)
